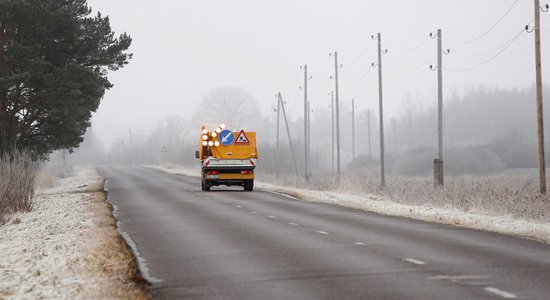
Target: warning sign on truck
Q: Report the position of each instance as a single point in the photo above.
(242, 138)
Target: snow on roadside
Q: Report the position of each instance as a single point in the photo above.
(67, 247)
(373, 203)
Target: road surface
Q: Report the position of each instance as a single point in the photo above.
(230, 244)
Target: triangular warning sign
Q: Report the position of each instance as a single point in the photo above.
(242, 138)
(163, 149)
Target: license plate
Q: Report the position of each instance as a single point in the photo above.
(212, 176)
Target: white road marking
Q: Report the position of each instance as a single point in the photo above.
(457, 277)
(414, 261)
(359, 244)
(321, 232)
(272, 217)
(284, 195)
(501, 293)
(293, 224)
(238, 206)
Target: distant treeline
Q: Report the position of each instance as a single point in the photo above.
(485, 131)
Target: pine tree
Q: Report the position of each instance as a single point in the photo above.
(54, 60)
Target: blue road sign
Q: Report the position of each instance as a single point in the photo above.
(226, 137)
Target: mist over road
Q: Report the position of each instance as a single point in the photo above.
(231, 244)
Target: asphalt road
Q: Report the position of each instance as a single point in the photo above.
(230, 244)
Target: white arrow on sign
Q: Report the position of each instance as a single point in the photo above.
(224, 138)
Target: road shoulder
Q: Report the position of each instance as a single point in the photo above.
(68, 247)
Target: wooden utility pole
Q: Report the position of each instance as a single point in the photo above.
(288, 133)
(381, 111)
(337, 116)
(540, 116)
(306, 171)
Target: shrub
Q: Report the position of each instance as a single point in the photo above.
(18, 175)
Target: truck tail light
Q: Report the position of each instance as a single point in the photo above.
(247, 172)
(212, 172)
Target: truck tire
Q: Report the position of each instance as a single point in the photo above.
(207, 186)
(202, 185)
(249, 185)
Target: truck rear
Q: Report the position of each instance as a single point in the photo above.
(227, 158)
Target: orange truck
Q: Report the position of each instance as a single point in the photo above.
(227, 158)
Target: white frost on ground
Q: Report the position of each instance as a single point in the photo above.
(373, 203)
(43, 252)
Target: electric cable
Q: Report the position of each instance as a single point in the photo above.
(490, 28)
(491, 58)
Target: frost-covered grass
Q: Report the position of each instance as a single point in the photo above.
(508, 204)
(67, 247)
(510, 195)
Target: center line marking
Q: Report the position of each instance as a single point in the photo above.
(294, 224)
(272, 217)
(457, 277)
(414, 261)
(360, 244)
(238, 206)
(321, 232)
(501, 293)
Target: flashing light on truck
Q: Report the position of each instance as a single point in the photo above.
(227, 158)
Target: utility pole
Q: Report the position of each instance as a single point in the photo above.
(288, 133)
(337, 116)
(439, 164)
(131, 147)
(381, 111)
(332, 131)
(277, 151)
(540, 117)
(368, 128)
(352, 130)
(308, 141)
(306, 170)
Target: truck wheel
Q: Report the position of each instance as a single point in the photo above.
(249, 185)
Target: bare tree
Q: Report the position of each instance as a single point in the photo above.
(231, 105)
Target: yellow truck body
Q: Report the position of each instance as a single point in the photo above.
(224, 163)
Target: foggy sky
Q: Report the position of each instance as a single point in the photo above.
(182, 49)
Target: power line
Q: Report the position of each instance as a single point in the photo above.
(426, 63)
(361, 78)
(418, 73)
(493, 50)
(323, 86)
(322, 66)
(362, 52)
(491, 58)
(414, 48)
(490, 28)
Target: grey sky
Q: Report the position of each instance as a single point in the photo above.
(182, 49)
